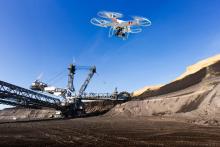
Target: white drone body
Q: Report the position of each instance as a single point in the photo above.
(119, 27)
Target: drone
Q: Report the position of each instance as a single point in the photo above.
(118, 27)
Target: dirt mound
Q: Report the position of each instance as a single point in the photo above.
(146, 88)
(99, 107)
(19, 113)
(93, 108)
(193, 75)
(199, 65)
(195, 97)
(189, 80)
(199, 104)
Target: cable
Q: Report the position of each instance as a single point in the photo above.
(50, 81)
(57, 79)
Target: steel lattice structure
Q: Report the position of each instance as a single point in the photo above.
(17, 96)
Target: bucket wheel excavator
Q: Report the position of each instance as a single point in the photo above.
(66, 100)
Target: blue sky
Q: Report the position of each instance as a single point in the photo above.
(43, 36)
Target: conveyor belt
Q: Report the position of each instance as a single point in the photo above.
(17, 96)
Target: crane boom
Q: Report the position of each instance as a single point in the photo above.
(92, 71)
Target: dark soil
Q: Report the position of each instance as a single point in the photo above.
(106, 131)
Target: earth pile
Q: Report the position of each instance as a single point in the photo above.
(194, 97)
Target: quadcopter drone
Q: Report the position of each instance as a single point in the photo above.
(120, 28)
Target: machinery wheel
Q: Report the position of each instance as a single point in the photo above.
(124, 95)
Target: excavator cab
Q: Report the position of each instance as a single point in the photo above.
(38, 85)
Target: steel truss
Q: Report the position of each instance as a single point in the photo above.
(17, 96)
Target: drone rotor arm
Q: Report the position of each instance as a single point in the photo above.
(109, 15)
(141, 21)
(100, 22)
(135, 30)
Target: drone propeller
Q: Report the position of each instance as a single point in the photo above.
(106, 14)
(142, 21)
(135, 30)
(99, 22)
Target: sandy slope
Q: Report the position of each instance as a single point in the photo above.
(194, 97)
(189, 70)
(199, 65)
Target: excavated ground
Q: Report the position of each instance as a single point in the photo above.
(199, 104)
(107, 131)
(193, 99)
(185, 112)
(93, 108)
